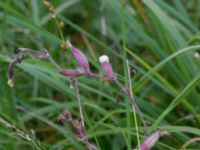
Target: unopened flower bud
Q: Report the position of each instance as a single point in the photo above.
(107, 68)
(150, 141)
(72, 72)
(81, 59)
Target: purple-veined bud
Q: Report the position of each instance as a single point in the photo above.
(107, 68)
(150, 141)
(72, 72)
(81, 58)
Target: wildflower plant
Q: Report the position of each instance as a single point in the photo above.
(83, 69)
(162, 39)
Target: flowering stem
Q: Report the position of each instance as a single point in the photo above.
(42, 55)
(79, 102)
(54, 63)
(48, 57)
(59, 30)
(89, 146)
(134, 104)
(134, 113)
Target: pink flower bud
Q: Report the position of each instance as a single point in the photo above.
(71, 72)
(150, 141)
(107, 68)
(82, 60)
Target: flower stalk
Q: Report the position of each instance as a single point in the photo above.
(75, 83)
(108, 71)
(134, 111)
(82, 70)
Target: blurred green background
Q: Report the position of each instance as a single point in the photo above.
(160, 38)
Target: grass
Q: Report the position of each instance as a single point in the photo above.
(159, 38)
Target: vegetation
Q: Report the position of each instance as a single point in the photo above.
(157, 39)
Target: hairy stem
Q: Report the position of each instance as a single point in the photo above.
(75, 81)
(134, 111)
(134, 104)
(89, 146)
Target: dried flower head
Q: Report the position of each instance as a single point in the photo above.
(61, 118)
(63, 45)
(21, 55)
(47, 3)
(107, 68)
(17, 58)
(150, 141)
(50, 7)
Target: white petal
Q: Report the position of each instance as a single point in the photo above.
(196, 55)
(103, 58)
(69, 44)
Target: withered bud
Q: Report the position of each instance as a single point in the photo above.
(52, 11)
(10, 72)
(61, 25)
(61, 118)
(67, 114)
(21, 55)
(53, 15)
(10, 75)
(47, 3)
(64, 45)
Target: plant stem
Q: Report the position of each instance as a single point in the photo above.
(79, 102)
(89, 146)
(134, 113)
(134, 104)
(60, 30)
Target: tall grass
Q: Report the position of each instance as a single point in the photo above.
(159, 38)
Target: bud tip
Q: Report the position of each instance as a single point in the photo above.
(103, 58)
